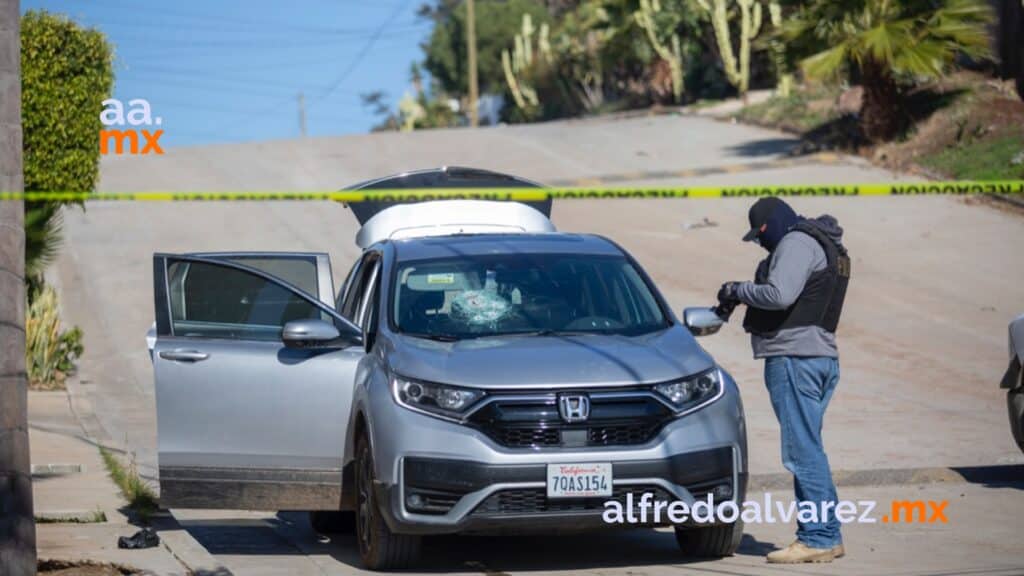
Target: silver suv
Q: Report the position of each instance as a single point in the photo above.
(477, 372)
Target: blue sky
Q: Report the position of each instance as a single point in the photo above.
(231, 70)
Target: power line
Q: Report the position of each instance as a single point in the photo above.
(267, 43)
(291, 62)
(219, 29)
(208, 75)
(225, 47)
(229, 89)
(138, 8)
(399, 8)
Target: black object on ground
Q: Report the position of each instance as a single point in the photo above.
(144, 538)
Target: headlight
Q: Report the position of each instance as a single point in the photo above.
(447, 401)
(692, 391)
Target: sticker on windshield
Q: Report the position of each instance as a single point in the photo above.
(446, 278)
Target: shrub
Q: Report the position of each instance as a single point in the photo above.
(50, 353)
(887, 43)
(66, 73)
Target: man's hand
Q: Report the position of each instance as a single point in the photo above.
(727, 300)
(727, 294)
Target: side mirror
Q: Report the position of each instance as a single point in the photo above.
(702, 321)
(308, 333)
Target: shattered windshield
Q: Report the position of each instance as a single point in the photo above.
(495, 295)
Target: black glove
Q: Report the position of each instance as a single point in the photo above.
(724, 311)
(727, 294)
(727, 300)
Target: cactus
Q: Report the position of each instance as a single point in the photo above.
(411, 112)
(750, 26)
(778, 49)
(669, 53)
(522, 58)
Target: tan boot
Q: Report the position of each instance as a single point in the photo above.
(798, 553)
(838, 551)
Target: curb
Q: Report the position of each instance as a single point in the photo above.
(185, 549)
(81, 407)
(1008, 200)
(50, 470)
(900, 476)
(71, 517)
(175, 539)
(814, 158)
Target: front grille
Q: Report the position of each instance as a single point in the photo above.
(621, 435)
(520, 437)
(534, 422)
(525, 501)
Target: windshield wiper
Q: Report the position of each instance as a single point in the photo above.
(442, 337)
(546, 332)
(436, 337)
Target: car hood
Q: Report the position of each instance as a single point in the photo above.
(550, 361)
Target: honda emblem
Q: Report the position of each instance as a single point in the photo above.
(574, 407)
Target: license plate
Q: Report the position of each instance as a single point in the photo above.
(579, 480)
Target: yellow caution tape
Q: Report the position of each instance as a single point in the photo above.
(1006, 187)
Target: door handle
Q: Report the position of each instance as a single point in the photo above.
(184, 355)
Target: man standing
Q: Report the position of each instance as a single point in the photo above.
(793, 309)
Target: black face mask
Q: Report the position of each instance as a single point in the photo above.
(783, 218)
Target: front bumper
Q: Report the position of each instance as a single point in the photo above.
(466, 496)
(469, 483)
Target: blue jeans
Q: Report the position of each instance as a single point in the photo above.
(800, 389)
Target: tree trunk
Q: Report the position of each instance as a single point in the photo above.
(17, 526)
(881, 113)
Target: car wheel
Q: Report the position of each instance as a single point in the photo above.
(332, 521)
(1015, 406)
(379, 547)
(710, 541)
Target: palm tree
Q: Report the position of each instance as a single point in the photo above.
(886, 44)
(43, 239)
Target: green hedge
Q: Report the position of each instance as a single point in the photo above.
(67, 72)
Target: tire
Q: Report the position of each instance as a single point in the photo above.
(379, 547)
(710, 541)
(1015, 407)
(332, 522)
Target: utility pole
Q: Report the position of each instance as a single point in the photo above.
(17, 524)
(474, 118)
(302, 114)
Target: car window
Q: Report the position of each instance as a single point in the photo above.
(491, 295)
(350, 307)
(353, 290)
(299, 271)
(366, 303)
(371, 308)
(212, 301)
(345, 288)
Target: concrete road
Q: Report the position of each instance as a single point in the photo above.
(981, 537)
(923, 340)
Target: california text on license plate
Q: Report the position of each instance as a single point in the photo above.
(579, 480)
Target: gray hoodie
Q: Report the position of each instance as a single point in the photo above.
(797, 256)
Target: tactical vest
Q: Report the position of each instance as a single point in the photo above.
(821, 301)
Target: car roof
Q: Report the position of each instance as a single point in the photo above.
(448, 177)
(448, 217)
(428, 248)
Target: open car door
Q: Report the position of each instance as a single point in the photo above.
(250, 415)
